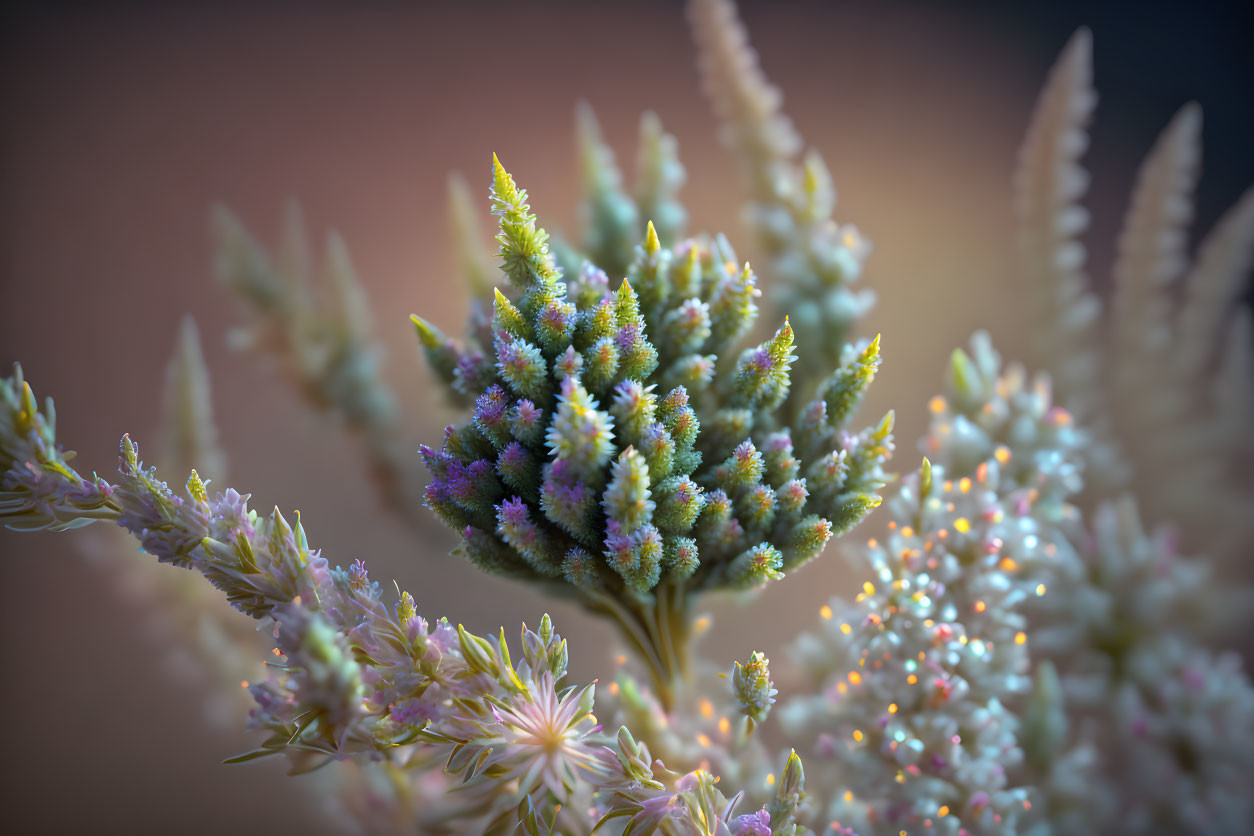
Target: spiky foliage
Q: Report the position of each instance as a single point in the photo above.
(205, 644)
(916, 678)
(619, 454)
(612, 219)
(813, 262)
(1119, 615)
(358, 679)
(203, 640)
(1008, 665)
(659, 177)
(322, 335)
(1168, 372)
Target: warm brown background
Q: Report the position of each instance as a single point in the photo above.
(122, 124)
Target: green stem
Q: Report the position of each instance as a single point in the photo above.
(659, 632)
(632, 630)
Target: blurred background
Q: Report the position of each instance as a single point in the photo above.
(124, 122)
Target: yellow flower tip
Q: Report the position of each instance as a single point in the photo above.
(426, 333)
(651, 242)
(502, 182)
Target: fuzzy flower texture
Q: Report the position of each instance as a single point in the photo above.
(622, 449)
(357, 678)
(1025, 654)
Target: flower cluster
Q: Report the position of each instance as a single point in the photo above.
(356, 677)
(987, 558)
(1123, 624)
(916, 678)
(814, 260)
(1025, 655)
(615, 451)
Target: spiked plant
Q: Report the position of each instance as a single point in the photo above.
(1127, 690)
(915, 680)
(356, 678)
(1160, 370)
(813, 261)
(626, 450)
(323, 337)
(619, 455)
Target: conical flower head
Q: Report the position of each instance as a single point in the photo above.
(621, 435)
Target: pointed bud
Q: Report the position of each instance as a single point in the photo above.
(742, 469)
(468, 238)
(762, 373)
(842, 392)
(679, 503)
(196, 488)
(522, 366)
(608, 216)
(516, 528)
(756, 566)
(506, 318)
(580, 569)
(478, 653)
(659, 176)
(650, 272)
(806, 541)
(732, 307)
(686, 328)
(681, 558)
(851, 512)
(752, 687)
(580, 433)
(626, 498)
(634, 409)
(686, 275)
(442, 355)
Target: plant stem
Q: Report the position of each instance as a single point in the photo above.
(659, 632)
